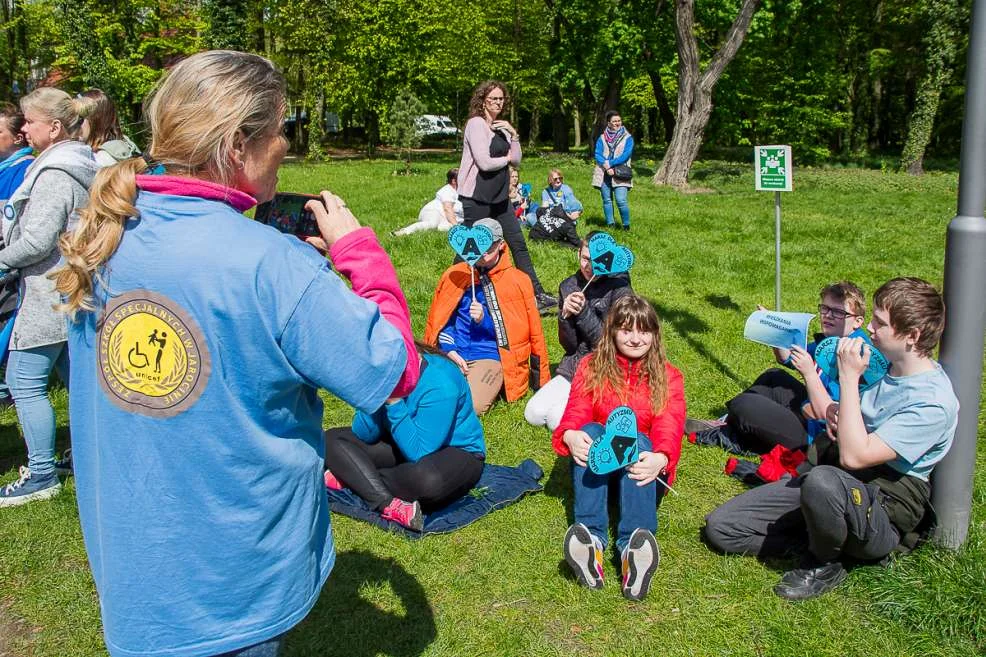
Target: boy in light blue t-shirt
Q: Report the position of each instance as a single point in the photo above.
(869, 485)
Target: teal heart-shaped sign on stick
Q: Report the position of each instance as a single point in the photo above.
(607, 256)
(470, 242)
(617, 447)
(827, 360)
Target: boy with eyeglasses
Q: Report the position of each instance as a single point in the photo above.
(865, 491)
(775, 410)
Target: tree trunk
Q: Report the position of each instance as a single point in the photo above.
(578, 127)
(695, 88)
(941, 51)
(663, 107)
(559, 126)
(532, 139)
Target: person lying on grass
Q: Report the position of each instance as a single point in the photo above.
(496, 339)
(775, 410)
(628, 368)
(441, 212)
(867, 492)
(580, 322)
(424, 450)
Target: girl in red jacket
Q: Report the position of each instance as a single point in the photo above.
(629, 368)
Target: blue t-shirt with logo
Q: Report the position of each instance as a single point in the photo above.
(197, 427)
(915, 416)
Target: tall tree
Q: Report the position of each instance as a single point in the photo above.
(940, 44)
(695, 88)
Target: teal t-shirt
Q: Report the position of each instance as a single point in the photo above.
(915, 416)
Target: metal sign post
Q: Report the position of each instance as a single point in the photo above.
(773, 169)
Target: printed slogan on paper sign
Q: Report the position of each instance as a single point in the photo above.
(153, 357)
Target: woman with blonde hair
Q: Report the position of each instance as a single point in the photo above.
(200, 339)
(34, 217)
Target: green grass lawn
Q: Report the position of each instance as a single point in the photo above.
(500, 587)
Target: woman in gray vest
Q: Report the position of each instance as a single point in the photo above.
(38, 212)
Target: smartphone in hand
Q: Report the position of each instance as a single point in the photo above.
(286, 212)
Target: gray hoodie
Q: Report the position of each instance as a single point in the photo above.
(38, 212)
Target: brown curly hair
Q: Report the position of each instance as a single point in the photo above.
(603, 371)
(477, 104)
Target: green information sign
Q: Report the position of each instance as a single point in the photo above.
(773, 168)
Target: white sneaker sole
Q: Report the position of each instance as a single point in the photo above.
(45, 494)
(643, 557)
(580, 554)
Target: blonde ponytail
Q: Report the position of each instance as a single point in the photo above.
(98, 234)
(196, 113)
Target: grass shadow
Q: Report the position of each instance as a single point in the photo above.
(688, 326)
(404, 633)
(722, 302)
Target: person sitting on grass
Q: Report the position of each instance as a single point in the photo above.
(628, 368)
(580, 323)
(520, 199)
(417, 452)
(441, 212)
(558, 212)
(497, 340)
(775, 410)
(868, 489)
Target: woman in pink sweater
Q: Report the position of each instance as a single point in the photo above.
(489, 146)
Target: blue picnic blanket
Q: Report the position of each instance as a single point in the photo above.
(499, 486)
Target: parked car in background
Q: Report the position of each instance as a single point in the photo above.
(436, 125)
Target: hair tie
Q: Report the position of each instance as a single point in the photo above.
(153, 168)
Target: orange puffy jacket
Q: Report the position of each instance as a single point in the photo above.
(526, 349)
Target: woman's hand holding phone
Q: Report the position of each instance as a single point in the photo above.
(334, 219)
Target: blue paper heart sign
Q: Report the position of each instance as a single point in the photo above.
(607, 256)
(470, 242)
(827, 361)
(617, 447)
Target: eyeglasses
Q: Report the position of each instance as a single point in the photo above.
(837, 313)
(494, 99)
(558, 179)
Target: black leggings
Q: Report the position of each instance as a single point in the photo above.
(502, 213)
(378, 472)
(768, 413)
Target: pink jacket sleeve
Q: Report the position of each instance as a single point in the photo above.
(478, 137)
(359, 257)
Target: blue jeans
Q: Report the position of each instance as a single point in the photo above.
(608, 191)
(638, 504)
(271, 648)
(27, 377)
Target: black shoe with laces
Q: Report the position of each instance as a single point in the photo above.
(810, 581)
(545, 302)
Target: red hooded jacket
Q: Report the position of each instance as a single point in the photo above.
(664, 429)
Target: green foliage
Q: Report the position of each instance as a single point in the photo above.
(402, 128)
(944, 18)
(227, 24)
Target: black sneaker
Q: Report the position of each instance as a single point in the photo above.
(811, 582)
(545, 302)
(626, 227)
(719, 437)
(63, 466)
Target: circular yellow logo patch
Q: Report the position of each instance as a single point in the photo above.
(153, 359)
